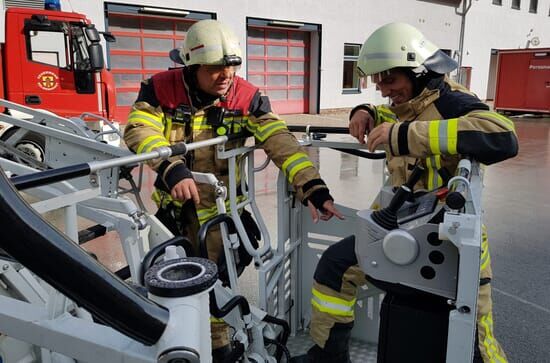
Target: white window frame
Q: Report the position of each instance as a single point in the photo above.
(350, 58)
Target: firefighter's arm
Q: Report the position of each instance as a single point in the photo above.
(364, 118)
(484, 135)
(144, 132)
(283, 148)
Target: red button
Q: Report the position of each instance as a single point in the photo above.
(442, 193)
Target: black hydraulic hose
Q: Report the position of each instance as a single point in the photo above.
(281, 346)
(238, 300)
(327, 129)
(338, 130)
(283, 323)
(49, 176)
(220, 218)
(362, 154)
(280, 349)
(60, 262)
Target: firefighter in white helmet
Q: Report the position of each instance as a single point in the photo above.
(200, 101)
(429, 120)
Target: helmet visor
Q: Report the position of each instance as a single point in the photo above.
(216, 69)
(378, 77)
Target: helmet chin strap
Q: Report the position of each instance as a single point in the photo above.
(420, 77)
(420, 70)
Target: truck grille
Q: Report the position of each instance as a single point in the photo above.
(37, 4)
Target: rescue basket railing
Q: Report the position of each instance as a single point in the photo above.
(64, 265)
(50, 176)
(285, 269)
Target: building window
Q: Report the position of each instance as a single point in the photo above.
(533, 5)
(497, 2)
(351, 81)
(516, 4)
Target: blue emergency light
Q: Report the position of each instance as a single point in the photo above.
(52, 5)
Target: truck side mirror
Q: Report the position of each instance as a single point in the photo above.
(95, 51)
(108, 37)
(92, 34)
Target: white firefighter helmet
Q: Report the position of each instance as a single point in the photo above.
(401, 45)
(209, 42)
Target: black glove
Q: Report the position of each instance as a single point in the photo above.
(317, 197)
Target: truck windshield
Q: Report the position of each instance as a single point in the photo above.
(80, 43)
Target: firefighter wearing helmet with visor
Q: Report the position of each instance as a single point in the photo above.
(432, 121)
(199, 101)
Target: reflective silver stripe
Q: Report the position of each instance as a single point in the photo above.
(293, 164)
(443, 139)
(332, 306)
(148, 146)
(263, 133)
(384, 55)
(135, 116)
(433, 165)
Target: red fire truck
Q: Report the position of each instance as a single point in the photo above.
(53, 60)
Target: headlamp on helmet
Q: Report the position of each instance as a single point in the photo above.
(232, 60)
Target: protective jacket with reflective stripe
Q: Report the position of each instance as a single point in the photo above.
(444, 122)
(151, 120)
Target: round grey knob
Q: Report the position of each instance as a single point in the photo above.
(400, 247)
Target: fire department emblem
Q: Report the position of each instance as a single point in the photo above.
(48, 81)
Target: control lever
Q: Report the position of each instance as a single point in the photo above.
(459, 185)
(387, 217)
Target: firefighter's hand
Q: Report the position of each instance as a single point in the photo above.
(329, 210)
(186, 189)
(379, 135)
(361, 123)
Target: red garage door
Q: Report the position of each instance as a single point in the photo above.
(141, 48)
(278, 63)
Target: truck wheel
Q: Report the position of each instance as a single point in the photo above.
(31, 144)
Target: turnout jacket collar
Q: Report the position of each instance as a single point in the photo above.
(172, 89)
(439, 125)
(410, 110)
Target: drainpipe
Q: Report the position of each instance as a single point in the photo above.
(466, 5)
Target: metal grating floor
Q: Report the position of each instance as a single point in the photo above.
(360, 352)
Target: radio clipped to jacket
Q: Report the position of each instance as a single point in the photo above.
(224, 121)
(182, 114)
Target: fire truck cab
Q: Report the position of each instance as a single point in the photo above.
(53, 60)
